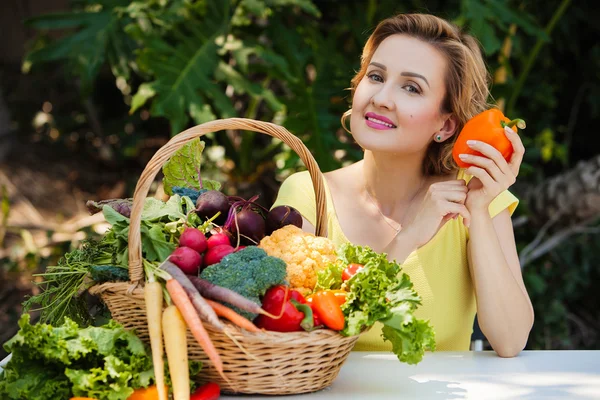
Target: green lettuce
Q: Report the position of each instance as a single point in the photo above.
(381, 292)
(49, 362)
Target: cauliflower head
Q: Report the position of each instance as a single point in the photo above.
(304, 254)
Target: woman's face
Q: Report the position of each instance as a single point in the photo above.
(396, 106)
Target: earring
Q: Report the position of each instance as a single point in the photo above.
(438, 138)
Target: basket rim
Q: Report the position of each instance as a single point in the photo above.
(136, 270)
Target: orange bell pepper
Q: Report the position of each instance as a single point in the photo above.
(149, 393)
(487, 127)
(327, 306)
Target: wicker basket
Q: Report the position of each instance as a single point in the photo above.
(271, 363)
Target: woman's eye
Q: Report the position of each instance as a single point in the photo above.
(375, 77)
(412, 89)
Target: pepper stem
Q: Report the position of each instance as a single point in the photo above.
(518, 122)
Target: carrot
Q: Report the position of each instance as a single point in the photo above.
(174, 331)
(215, 292)
(154, 308)
(206, 312)
(226, 312)
(183, 303)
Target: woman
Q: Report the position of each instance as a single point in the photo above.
(420, 80)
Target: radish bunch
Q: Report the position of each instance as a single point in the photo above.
(195, 251)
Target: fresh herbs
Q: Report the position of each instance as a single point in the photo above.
(64, 284)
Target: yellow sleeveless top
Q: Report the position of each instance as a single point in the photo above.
(439, 269)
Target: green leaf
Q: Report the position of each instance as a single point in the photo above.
(183, 169)
(154, 244)
(86, 50)
(145, 91)
(242, 85)
(155, 209)
(112, 216)
(183, 82)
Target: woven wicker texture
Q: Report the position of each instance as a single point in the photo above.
(254, 363)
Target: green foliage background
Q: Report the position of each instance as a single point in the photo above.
(156, 67)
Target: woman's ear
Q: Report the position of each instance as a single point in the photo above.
(449, 127)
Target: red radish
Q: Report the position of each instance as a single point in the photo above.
(239, 248)
(218, 239)
(215, 255)
(208, 391)
(194, 239)
(189, 260)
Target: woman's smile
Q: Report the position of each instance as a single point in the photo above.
(379, 122)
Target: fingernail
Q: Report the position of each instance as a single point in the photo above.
(471, 142)
(463, 156)
(508, 129)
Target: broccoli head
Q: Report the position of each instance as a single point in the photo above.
(249, 272)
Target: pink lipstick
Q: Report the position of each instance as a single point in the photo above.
(380, 122)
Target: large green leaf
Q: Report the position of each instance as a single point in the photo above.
(99, 35)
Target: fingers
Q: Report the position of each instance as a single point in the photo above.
(518, 150)
(483, 176)
(460, 209)
(489, 165)
(489, 152)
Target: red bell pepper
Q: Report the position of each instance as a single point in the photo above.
(208, 391)
(273, 301)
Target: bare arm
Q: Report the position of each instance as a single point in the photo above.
(504, 310)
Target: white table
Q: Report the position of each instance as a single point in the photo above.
(464, 375)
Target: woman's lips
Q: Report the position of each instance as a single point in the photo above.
(378, 122)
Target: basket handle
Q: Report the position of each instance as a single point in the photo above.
(136, 271)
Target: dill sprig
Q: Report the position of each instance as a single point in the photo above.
(63, 284)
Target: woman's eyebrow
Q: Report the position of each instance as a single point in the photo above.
(411, 74)
(415, 75)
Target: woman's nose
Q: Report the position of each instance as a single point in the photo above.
(383, 98)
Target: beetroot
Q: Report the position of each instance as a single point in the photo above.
(187, 259)
(194, 239)
(211, 202)
(218, 239)
(245, 221)
(215, 254)
(281, 216)
(249, 224)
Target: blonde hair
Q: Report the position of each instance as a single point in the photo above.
(467, 78)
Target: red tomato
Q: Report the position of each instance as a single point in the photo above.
(350, 270)
(208, 391)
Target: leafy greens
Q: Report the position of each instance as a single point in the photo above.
(382, 292)
(105, 363)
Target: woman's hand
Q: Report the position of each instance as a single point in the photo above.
(491, 173)
(443, 201)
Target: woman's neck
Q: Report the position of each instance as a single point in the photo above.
(393, 181)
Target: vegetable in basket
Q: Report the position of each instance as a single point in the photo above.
(305, 255)
(379, 292)
(249, 272)
(278, 300)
